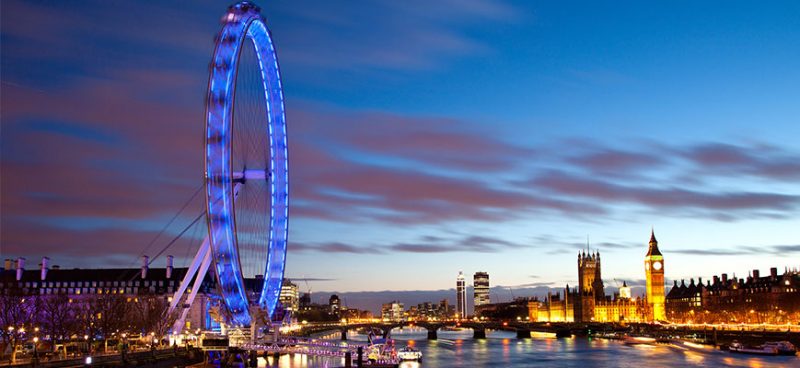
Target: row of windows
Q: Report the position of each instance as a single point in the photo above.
(94, 284)
(87, 291)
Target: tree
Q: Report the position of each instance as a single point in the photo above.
(59, 317)
(17, 315)
(104, 315)
(150, 314)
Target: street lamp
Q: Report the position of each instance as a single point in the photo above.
(35, 359)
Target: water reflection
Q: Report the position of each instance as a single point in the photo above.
(503, 349)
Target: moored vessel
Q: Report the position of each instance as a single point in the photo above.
(409, 354)
(639, 340)
(783, 347)
(739, 348)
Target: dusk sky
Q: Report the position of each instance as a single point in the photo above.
(425, 137)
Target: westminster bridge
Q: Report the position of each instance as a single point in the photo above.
(522, 329)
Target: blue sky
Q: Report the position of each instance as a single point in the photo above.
(425, 138)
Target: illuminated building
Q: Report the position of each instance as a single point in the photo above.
(590, 288)
(480, 283)
(135, 286)
(588, 303)
(393, 312)
(334, 304)
(625, 291)
(290, 296)
(654, 272)
(305, 301)
(772, 299)
(461, 296)
(553, 309)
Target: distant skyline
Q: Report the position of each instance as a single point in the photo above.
(425, 138)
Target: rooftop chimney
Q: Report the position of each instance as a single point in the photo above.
(169, 267)
(145, 264)
(756, 274)
(773, 272)
(45, 262)
(716, 279)
(7, 264)
(20, 267)
(724, 277)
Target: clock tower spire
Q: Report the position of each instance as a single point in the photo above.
(654, 272)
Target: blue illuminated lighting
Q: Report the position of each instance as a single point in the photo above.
(244, 21)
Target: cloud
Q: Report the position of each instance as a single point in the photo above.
(407, 36)
(411, 170)
(310, 279)
(535, 285)
(332, 247)
(755, 160)
(722, 205)
(742, 250)
(610, 161)
(478, 244)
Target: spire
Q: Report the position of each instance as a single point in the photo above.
(653, 249)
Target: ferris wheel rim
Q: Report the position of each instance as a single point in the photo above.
(244, 22)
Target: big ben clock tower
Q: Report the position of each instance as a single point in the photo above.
(654, 271)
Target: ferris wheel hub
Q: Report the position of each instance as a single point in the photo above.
(250, 174)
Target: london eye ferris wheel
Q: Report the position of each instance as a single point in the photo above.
(246, 167)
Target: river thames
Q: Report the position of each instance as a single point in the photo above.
(503, 349)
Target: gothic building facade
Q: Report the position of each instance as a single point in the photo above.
(588, 301)
(771, 299)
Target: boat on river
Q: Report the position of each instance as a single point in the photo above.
(784, 347)
(639, 340)
(409, 354)
(739, 348)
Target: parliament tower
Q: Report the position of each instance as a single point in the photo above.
(654, 271)
(590, 288)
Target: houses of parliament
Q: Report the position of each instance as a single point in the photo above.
(588, 301)
(773, 299)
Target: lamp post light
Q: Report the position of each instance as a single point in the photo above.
(35, 359)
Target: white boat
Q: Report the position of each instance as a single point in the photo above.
(639, 340)
(737, 347)
(784, 347)
(409, 354)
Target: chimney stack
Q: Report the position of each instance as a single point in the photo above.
(145, 265)
(756, 274)
(169, 267)
(716, 279)
(20, 267)
(7, 264)
(724, 277)
(45, 261)
(773, 272)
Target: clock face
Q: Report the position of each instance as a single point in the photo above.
(657, 265)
